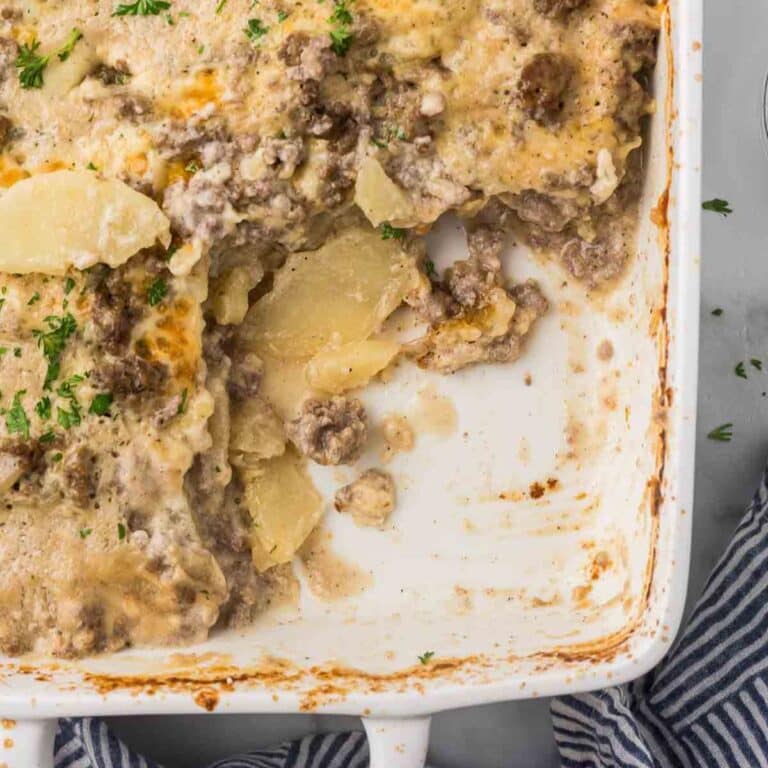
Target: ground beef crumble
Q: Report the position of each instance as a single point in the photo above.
(331, 431)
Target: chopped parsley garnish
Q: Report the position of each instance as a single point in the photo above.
(156, 292)
(429, 268)
(57, 457)
(718, 206)
(169, 253)
(69, 419)
(255, 30)
(31, 64)
(388, 232)
(717, 311)
(341, 34)
(17, 351)
(121, 531)
(69, 46)
(426, 657)
(378, 142)
(85, 533)
(200, 50)
(34, 299)
(183, 402)
(192, 167)
(48, 437)
(91, 167)
(755, 363)
(740, 371)
(220, 6)
(53, 341)
(43, 408)
(722, 434)
(100, 404)
(282, 16)
(74, 416)
(69, 284)
(3, 350)
(2, 301)
(16, 417)
(142, 8)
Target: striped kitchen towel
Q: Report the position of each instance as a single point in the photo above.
(704, 706)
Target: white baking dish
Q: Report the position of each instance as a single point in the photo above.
(519, 589)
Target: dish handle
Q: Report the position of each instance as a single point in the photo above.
(27, 743)
(397, 742)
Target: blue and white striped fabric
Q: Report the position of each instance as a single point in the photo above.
(704, 706)
(88, 743)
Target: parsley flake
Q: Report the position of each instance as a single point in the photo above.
(282, 16)
(220, 6)
(16, 417)
(341, 34)
(121, 531)
(388, 232)
(33, 299)
(43, 408)
(91, 167)
(740, 371)
(142, 8)
(101, 403)
(85, 533)
(57, 457)
(755, 363)
(48, 437)
(53, 341)
(183, 402)
(718, 206)
(156, 292)
(722, 434)
(31, 64)
(426, 657)
(69, 284)
(255, 30)
(717, 311)
(66, 49)
(429, 268)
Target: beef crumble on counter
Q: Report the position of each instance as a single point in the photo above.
(294, 155)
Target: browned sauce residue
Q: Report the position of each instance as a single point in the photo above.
(329, 576)
(434, 413)
(605, 350)
(207, 699)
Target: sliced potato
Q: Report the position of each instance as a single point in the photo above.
(57, 220)
(338, 294)
(284, 505)
(338, 369)
(379, 198)
(229, 294)
(256, 430)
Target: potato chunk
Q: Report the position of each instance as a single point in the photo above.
(57, 220)
(256, 431)
(338, 369)
(379, 198)
(284, 505)
(338, 294)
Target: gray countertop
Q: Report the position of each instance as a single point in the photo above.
(735, 277)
